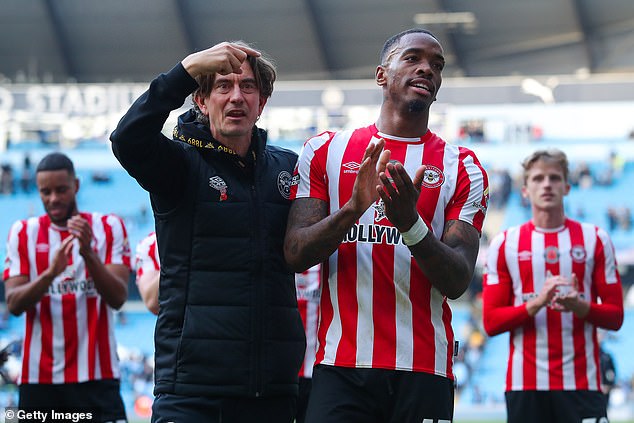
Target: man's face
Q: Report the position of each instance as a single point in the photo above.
(545, 186)
(233, 106)
(411, 75)
(58, 190)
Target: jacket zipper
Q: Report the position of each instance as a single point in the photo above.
(259, 290)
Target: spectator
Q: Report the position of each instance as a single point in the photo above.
(6, 179)
(26, 177)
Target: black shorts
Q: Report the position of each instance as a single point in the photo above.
(100, 397)
(185, 409)
(555, 406)
(352, 395)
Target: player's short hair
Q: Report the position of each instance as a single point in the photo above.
(552, 155)
(56, 161)
(394, 39)
(263, 71)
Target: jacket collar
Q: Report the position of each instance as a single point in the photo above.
(192, 132)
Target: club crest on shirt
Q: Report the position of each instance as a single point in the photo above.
(433, 177)
(217, 183)
(551, 255)
(284, 184)
(578, 253)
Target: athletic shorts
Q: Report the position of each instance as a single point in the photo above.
(189, 409)
(351, 395)
(101, 398)
(556, 406)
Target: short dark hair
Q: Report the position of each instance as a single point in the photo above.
(394, 39)
(263, 71)
(56, 161)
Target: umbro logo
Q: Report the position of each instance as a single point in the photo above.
(351, 167)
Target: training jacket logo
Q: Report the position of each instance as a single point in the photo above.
(284, 184)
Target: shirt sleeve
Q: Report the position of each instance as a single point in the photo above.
(119, 248)
(16, 262)
(608, 313)
(499, 314)
(471, 198)
(146, 256)
(309, 177)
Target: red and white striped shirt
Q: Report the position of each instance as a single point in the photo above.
(69, 333)
(147, 257)
(308, 286)
(378, 310)
(553, 350)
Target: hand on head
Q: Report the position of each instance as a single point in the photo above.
(224, 58)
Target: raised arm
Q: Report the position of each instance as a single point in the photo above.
(312, 234)
(448, 262)
(157, 163)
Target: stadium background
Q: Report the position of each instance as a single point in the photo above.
(520, 76)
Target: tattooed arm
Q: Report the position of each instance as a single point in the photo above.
(312, 235)
(449, 262)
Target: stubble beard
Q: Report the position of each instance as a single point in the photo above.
(69, 213)
(416, 106)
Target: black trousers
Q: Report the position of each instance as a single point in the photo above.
(185, 409)
(305, 385)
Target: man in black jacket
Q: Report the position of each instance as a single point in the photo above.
(229, 339)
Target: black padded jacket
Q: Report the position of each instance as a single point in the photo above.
(228, 323)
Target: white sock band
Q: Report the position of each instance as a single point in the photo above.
(416, 233)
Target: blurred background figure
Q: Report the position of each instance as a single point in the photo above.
(552, 282)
